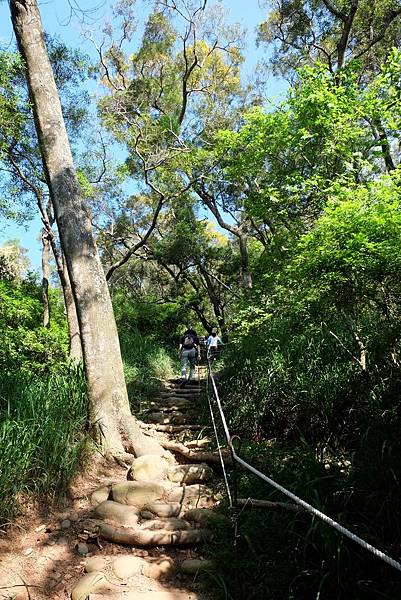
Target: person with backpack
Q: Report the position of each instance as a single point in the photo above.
(189, 352)
(212, 344)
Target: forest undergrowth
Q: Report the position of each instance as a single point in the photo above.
(336, 450)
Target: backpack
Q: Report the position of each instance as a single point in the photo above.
(189, 341)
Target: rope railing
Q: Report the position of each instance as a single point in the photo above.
(305, 505)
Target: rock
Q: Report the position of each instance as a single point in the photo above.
(190, 473)
(148, 467)
(56, 576)
(100, 495)
(137, 493)
(146, 514)
(161, 509)
(27, 552)
(191, 566)
(87, 584)
(65, 524)
(183, 494)
(95, 563)
(127, 566)
(159, 568)
(82, 549)
(73, 516)
(116, 513)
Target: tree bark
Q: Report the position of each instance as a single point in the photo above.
(45, 278)
(72, 317)
(111, 421)
(343, 41)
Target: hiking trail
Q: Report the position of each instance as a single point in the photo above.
(133, 535)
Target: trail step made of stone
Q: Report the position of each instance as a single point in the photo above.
(181, 392)
(164, 502)
(165, 595)
(172, 418)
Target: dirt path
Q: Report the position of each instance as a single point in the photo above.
(120, 539)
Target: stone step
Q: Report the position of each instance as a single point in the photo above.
(195, 391)
(170, 594)
(180, 396)
(187, 402)
(173, 418)
(177, 382)
(155, 406)
(167, 404)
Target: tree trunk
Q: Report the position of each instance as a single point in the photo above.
(72, 317)
(110, 416)
(45, 278)
(244, 258)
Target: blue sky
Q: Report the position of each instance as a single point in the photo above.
(55, 17)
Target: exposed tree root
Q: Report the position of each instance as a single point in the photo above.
(207, 457)
(253, 503)
(142, 537)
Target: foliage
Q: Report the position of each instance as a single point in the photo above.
(305, 281)
(288, 162)
(314, 361)
(147, 336)
(337, 32)
(42, 434)
(22, 182)
(305, 558)
(11, 119)
(27, 346)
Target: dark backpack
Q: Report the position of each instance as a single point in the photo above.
(189, 342)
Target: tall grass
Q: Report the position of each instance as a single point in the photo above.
(42, 424)
(146, 363)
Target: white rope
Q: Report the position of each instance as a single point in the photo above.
(343, 530)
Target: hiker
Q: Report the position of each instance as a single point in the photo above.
(189, 352)
(212, 344)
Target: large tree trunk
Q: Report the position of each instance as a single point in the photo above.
(110, 414)
(45, 277)
(72, 317)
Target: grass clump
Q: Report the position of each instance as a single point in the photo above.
(146, 364)
(42, 424)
